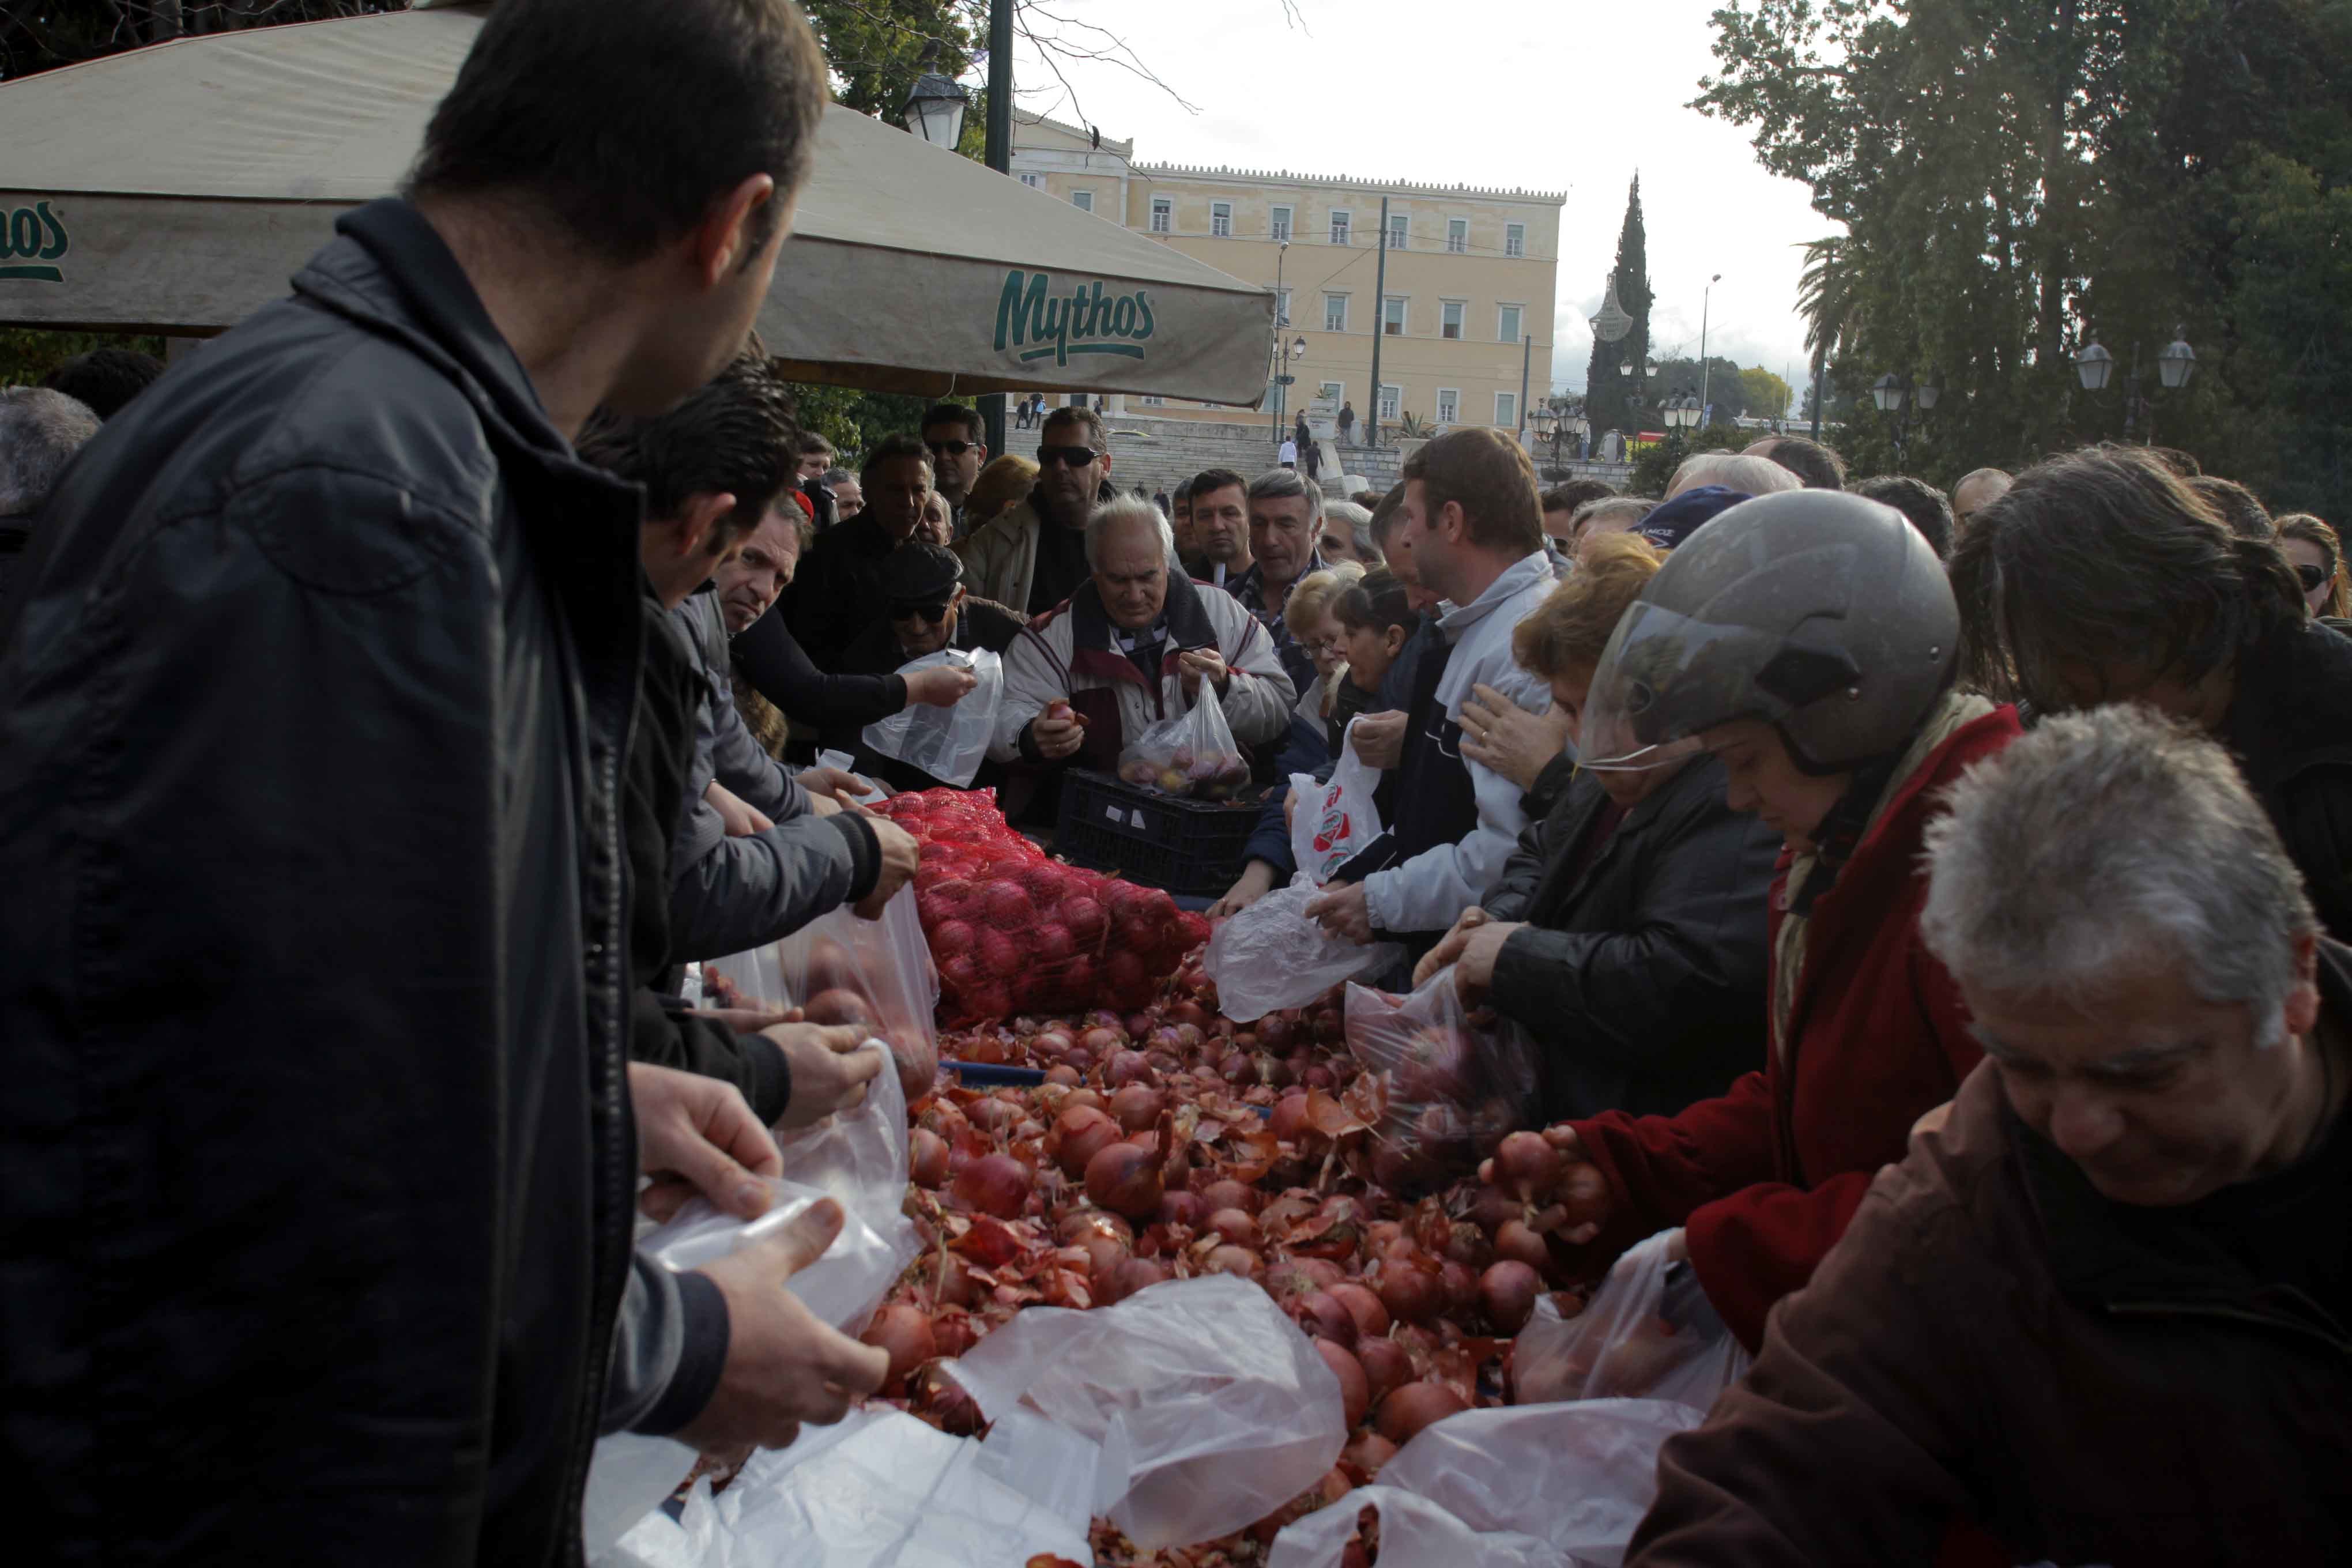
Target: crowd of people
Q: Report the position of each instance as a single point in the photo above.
(1929, 908)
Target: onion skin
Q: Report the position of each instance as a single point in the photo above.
(1135, 1274)
(1228, 1193)
(1183, 1208)
(996, 1184)
(1289, 1119)
(1238, 1227)
(1386, 1364)
(1364, 1304)
(1508, 1291)
(905, 1332)
(1137, 1107)
(1083, 1133)
(1407, 1410)
(1125, 1179)
(926, 1159)
(1231, 1259)
(1367, 1452)
(1324, 1318)
(1355, 1389)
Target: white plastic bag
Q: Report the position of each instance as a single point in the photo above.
(1543, 1485)
(843, 970)
(1192, 752)
(859, 1157)
(1453, 1089)
(1270, 956)
(1334, 822)
(1210, 1407)
(879, 1491)
(1622, 1346)
(948, 743)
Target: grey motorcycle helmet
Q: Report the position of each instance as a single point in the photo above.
(1818, 612)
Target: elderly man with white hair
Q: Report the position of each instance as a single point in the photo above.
(1737, 471)
(2103, 1310)
(1133, 645)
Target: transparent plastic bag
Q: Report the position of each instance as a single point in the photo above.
(1334, 822)
(948, 743)
(859, 1157)
(1210, 1407)
(1270, 955)
(840, 969)
(1193, 753)
(1626, 1344)
(1451, 1089)
(880, 1489)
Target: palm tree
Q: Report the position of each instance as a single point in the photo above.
(1831, 306)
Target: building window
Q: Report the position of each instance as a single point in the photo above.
(1457, 235)
(1506, 410)
(1391, 398)
(1515, 239)
(1163, 215)
(1392, 315)
(1221, 219)
(1150, 401)
(1083, 200)
(1282, 307)
(1334, 390)
(1450, 319)
(1507, 324)
(1033, 182)
(1335, 313)
(1339, 228)
(1449, 405)
(1399, 231)
(1281, 228)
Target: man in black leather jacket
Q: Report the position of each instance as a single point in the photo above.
(318, 1155)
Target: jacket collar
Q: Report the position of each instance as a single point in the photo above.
(1454, 620)
(1094, 649)
(2293, 705)
(2095, 1261)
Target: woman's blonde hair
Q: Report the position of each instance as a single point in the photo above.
(2312, 531)
(1312, 595)
(1003, 482)
(1568, 630)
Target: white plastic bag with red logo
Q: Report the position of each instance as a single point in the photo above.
(1334, 822)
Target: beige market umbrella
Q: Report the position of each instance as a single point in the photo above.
(176, 188)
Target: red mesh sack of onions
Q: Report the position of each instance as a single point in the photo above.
(1450, 1090)
(1015, 931)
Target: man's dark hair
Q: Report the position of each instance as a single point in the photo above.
(733, 435)
(1182, 491)
(2238, 506)
(809, 442)
(1928, 508)
(624, 121)
(1211, 479)
(2104, 558)
(892, 447)
(1385, 513)
(1820, 468)
(1097, 436)
(1570, 494)
(103, 379)
(954, 414)
(1490, 477)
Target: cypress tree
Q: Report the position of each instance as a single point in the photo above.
(1605, 387)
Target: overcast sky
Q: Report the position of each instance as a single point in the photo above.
(1570, 95)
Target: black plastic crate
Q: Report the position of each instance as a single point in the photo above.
(1188, 846)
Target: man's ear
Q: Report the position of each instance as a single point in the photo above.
(696, 518)
(1453, 523)
(722, 242)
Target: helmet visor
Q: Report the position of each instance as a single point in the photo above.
(1664, 679)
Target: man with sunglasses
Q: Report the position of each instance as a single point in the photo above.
(952, 434)
(928, 612)
(1033, 556)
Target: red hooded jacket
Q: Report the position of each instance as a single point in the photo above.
(1764, 1178)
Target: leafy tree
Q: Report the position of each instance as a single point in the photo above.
(1767, 394)
(2017, 177)
(1721, 382)
(28, 353)
(1605, 385)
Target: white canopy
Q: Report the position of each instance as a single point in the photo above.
(176, 188)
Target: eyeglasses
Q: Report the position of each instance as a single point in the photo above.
(1073, 457)
(2313, 576)
(931, 613)
(948, 448)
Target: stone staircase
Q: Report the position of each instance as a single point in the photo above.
(1159, 453)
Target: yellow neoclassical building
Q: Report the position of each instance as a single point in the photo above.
(1465, 313)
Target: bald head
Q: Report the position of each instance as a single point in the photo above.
(1976, 491)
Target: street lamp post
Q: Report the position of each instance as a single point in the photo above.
(935, 105)
(1281, 320)
(1706, 300)
(1892, 394)
(2094, 366)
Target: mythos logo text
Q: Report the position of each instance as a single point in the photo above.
(31, 240)
(1042, 322)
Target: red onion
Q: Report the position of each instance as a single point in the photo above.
(1084, 1097)
(1083, 1133)
(1079, 1224)
(1362, 1305)
(942, 1400)
(1126, 1067)
(1410, 1292)
(1184, 1208)
(1125, 1179)
(1227, 1194)
(1290, 1118)
(1515, 1241)
(1236, 1227)
(1135, 1274)
(1319, 1076)
(927, 1158)
(1415, 1405)
(1230, 1259)
(1355, 1389)
(1509, 1292)
(1324, 1318)
(996, 1184)
(1460, 1285)
(992, 1116)
(1273, 1031)
(1527, 1167)
(1187, 1012)
(1104, 1253)
(1240, 1069)
(1367, 1452)
(1137, 1107)
(1062, 1073)
(1386, 1364)
(905, 1332)
(1137, 1025)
